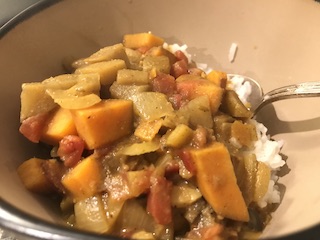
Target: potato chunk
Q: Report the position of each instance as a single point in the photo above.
(59, 124)
(180, 136)
(104, 122)
(107, 70)
(217, 181)
(108, 53)
(35, 100)
(158, 63)
(133, 77)
(33, 177)
(192, 89)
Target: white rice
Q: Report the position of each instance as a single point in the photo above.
(232, 52)
(265, 149)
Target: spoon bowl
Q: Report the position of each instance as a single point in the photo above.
(258, 99)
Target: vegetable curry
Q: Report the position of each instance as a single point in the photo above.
(145, 145)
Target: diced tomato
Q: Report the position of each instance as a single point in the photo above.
(159, 200)
(181, 56)
(212, 232)
(176, 100)
(186, 158)
(200, 137)
(179, 68)
(32, 127)
(70, 150)
(187, 88)
(164, 83)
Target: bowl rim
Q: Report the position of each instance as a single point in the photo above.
(21, 224)
(24, 14)
(24, 225)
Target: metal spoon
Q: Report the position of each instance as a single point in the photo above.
(258, 100)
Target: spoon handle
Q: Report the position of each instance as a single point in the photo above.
(305, 89)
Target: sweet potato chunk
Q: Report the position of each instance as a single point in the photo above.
(194, 88)
(84, 179)
(104, 122)
(140, 40)
(217, 181)
(219, 78)
(59, 124)
(33, 177)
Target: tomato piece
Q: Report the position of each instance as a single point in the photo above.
(159, 200)
(70, 150)
(32, 127)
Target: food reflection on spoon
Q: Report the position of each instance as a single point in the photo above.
(257, 99)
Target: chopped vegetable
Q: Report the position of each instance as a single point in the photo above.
(33, 177)
(151, 105)
(146, 145)
(107, 70)
(184, 194)
(192, 89)
(104, 123)
(135, 77)
(218, 183)
(218, 77)
(147, 130)
(141, 148)
(157, 63)
(180, 136)
(140, 40)
(231, 104)
(35, 100)
(96, 213)
(58, 125)
(108, 53)
(84, 179)
(159, 200)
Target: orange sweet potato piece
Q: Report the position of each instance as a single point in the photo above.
(104, 122)
(217, 181)
(141, 40)
(193, 88)
(85, 179)
(59, 124)
(219, 78)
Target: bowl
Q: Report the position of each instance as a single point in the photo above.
(278, 44)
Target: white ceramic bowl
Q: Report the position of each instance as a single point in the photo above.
(278, 44)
